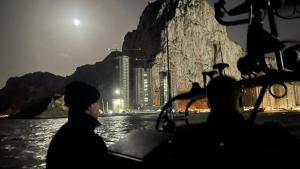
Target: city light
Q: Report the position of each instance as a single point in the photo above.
(118, 105)
(100, 111)
(117, 101)
(117, 91)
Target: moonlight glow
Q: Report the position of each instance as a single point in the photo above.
(76, 22)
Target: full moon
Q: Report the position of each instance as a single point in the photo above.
(76, 22)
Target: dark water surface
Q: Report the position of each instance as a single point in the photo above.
(24, 143)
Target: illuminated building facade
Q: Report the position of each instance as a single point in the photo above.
(143, 88)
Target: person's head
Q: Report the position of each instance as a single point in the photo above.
(223, 94)
(82, 98)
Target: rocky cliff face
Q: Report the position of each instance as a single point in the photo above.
(21, 93)
(196, 42)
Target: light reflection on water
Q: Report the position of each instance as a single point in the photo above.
(24, 143)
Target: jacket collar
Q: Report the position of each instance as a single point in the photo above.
(81, 120)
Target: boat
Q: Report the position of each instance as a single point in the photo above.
(154, 149)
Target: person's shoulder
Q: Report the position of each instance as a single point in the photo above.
(191, 132)
(65, 131)
(97, 140)
(60, 137)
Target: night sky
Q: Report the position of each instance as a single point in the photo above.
(40, 35)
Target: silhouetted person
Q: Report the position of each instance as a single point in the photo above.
(76, 145)
(228, 140)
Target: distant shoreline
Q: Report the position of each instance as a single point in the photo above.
(246, 113)
(103, 115)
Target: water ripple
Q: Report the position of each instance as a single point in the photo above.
(24, 143)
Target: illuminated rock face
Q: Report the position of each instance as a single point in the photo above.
(196, 42)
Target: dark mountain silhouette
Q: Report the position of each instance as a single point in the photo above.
(30, 94)
(23, 92)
